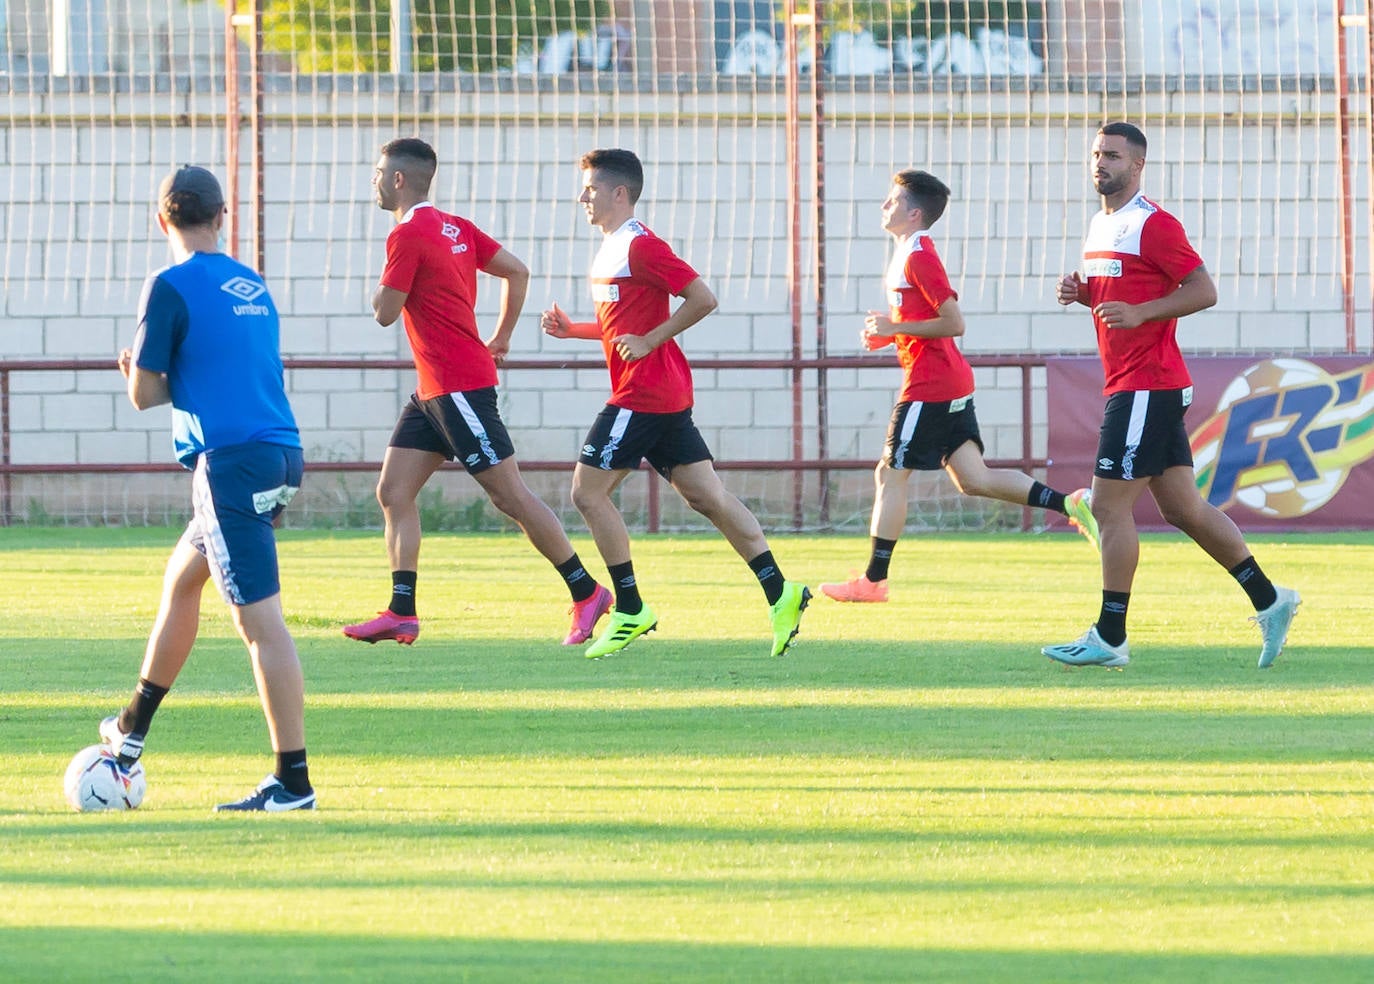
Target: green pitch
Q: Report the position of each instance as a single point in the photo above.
(913, 794)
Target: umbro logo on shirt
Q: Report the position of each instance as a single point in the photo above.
(243, 288)
(246, 290)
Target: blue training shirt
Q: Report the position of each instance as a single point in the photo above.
(210, 324)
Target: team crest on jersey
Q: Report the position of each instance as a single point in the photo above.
(605, 293)
(450, 231)
(1285, 436)
(243, 288)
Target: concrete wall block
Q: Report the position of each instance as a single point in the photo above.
(359, 409)
(112, 447)
(26, 413)
(361, 336)
(79, 411)
(43, 299)
(51, 447)
(304, 336)
(311, 410)
(63, 381)
(22, 338)
(1279, 331)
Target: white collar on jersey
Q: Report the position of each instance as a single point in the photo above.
(624, 226)
(411, 211)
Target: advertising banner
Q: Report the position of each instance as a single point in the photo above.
(1278, 444)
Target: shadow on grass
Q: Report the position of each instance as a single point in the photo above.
(813, 728)
(51, 954)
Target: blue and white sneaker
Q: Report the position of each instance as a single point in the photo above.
(270, 797)
(1089, 650)
(128, 748)
(1273, 623)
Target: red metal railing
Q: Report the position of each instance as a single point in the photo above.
(795, 465)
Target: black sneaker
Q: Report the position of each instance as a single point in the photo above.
(271, 797)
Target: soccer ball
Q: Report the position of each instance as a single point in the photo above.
(96, 781)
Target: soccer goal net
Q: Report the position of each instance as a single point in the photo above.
(769, 133)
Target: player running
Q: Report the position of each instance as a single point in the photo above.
(1143, 275)
(649, 414)
(430, 280)
(933, 425)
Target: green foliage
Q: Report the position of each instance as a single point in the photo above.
(448, 35)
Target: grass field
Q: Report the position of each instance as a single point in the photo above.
(913, 794)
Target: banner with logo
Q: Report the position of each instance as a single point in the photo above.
(1278, 444)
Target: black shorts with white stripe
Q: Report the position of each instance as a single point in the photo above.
(1142, 434)
(464, 427)
(620, 439)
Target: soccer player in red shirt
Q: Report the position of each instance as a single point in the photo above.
(1142, 276)
(933, 424)
(430, 281)
(649, 413)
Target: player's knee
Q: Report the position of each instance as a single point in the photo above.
(585, 499)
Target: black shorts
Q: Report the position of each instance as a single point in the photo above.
(620, 438)
(1143, 434)
(465, 427)
(922, 436)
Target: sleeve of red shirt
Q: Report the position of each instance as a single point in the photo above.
(652, 261)
(401, 262)
(925, 272)
(1166, 244)
(485, 247)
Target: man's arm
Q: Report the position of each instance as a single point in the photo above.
(515, 277)
(146, 388)
(697, 303)
(1196, 292)
(947, 323)
(387, 303)
(556, 322)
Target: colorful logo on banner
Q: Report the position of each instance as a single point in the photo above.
(1284, 437)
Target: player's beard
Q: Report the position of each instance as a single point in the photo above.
(1109, 185)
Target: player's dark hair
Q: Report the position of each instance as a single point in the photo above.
(414, 157)
(1132, 134)
(925, 191)
(621, 166)
(190, 197)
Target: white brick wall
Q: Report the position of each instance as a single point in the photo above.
(81, 241)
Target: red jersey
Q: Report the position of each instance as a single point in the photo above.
(632, 275)
(933, 369)
(1138, 253)
(433, 258)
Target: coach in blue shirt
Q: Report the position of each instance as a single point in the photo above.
(208, 342)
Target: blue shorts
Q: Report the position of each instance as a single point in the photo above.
(237, 492)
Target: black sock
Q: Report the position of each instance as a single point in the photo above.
(575, 576)
(402, 593)
(1111, 621)
(879, 559)
(1044, 497)
(138, 716)
(626, 589)
(293, 772)
(769, 576)
(1260, 589)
